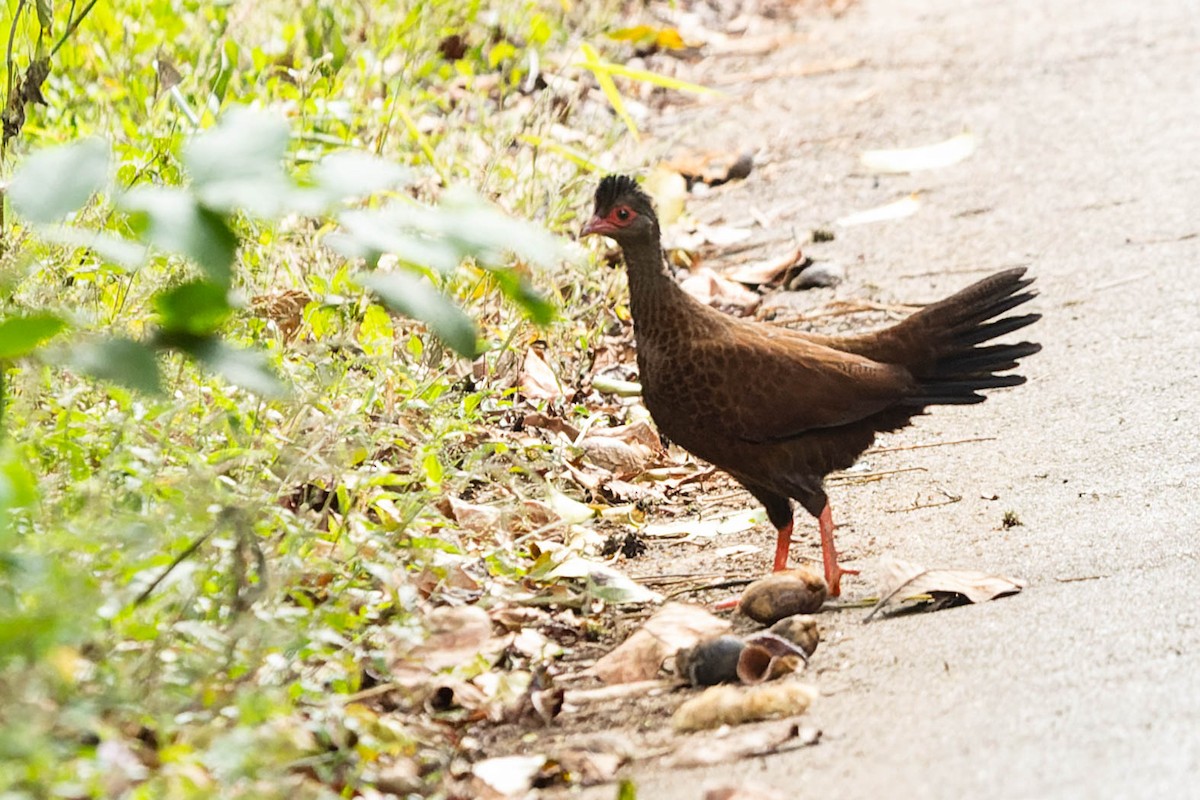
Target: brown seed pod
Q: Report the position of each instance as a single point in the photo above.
(783, 594)
(801, 630)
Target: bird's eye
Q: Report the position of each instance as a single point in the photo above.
(623, 214)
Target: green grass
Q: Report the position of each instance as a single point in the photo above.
(193, 581)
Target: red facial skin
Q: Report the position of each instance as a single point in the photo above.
(611, 223)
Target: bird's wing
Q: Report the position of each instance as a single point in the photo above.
(782, 387)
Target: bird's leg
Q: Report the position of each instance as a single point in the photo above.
(783, 543)
(833, 570)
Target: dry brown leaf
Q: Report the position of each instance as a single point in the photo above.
(674, 626)
(710, 288)
(757, 740)
(625, 450)
(903, 580)
(538, 381)
(456, 636)
(713, 167)
(549, 423)
(284, 308)
(771, 271)
(472, 516)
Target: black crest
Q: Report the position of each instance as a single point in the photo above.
(621, 187)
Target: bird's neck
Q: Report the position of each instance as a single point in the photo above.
(655, 299)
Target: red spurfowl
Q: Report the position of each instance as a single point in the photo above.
(778, 409)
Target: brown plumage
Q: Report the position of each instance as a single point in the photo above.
(778, 409)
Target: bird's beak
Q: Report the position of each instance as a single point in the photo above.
(596, 225)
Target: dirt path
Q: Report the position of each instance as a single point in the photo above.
(1088, 169)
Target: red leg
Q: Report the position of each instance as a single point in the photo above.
(833, 571)
(783, 543)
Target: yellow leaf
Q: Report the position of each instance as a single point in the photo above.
(592, 62)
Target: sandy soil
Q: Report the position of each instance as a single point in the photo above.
(1088, 170)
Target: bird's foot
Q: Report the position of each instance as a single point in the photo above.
(833, 576)
(829, 554)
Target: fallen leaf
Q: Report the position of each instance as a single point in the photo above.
(509, 775)
(913, 159)
(538, 381)
(552, 424)
(713, 167)
(624, 450)
(903, 580)
(733, 745)
(692, 529)
(770, 272)
(645, 36)
(674, 626)
(712, 289)
(473, 517)
(568, 509)
(892, 211)
(604, 582)
(456, 636)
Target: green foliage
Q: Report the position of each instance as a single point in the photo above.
(245, 244)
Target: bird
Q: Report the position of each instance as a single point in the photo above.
(779, 409)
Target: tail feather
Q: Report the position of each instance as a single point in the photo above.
(943, 344)
(959, 367)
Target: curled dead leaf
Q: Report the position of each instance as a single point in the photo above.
(673, 627)
(713, 167)
(903, 580)
(538, 381)
(710, 288)
(456, 636)
(734, 745)
(769, 272)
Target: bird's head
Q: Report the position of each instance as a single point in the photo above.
(623, 212)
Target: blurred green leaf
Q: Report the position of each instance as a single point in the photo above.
(55, 182)
(486, 233)
(124, 361)
(369, 234)
(20, 336)
(45, 13)
(196, 308)
(18, 487)
(414, 297)
(238, 165)
(517, 288)
(112, 248)
(353, 173)
(246, 368)
(174, 221)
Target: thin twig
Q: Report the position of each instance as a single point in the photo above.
(71, 26)
(730, 584)
(179, 559)
(864, 476)
(877, 450)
